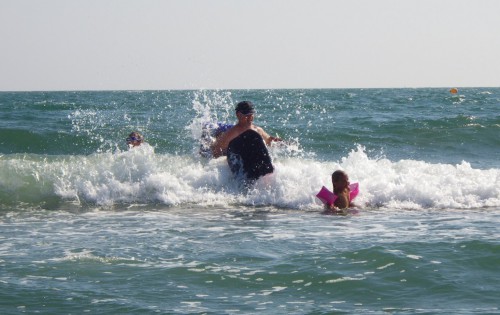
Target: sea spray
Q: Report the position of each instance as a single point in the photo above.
(92, 227)
(142, 176)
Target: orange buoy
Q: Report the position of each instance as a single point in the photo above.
(454, 91)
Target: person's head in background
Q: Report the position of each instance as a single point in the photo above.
(134, 139)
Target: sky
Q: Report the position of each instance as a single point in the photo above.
(59, 45)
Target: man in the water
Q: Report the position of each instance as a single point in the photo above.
(245, 112)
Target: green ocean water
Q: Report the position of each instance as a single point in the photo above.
(88, 226)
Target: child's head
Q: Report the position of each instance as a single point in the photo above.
(134, 139)
(340, 180)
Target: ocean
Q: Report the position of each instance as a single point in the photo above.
(90, 226)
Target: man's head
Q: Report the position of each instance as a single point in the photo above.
(245, 108)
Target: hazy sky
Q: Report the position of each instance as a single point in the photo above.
(226, 44)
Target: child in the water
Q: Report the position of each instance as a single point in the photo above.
(341, 189)
(134, 139)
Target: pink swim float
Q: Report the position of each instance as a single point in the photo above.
(328, 198)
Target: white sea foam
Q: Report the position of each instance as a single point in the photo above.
(142, 176)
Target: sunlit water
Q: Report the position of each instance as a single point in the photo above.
(87, 226)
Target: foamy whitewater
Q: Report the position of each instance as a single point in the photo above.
(88, 225)
(141, 176)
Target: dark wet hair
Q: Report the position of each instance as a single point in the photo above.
(245, 107)
(134, 136)
(337, 175)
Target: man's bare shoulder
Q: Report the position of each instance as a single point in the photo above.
(257, 128)
(233, 132)
(226, 137)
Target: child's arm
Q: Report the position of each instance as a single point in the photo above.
(342, 201)
(335, 210)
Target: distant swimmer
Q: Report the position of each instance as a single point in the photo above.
(453, 90)
(245, 112)
(134, 139)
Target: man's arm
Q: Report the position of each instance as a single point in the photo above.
(267, 138)
(219, 147)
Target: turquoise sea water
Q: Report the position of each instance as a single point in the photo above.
(88, 226)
